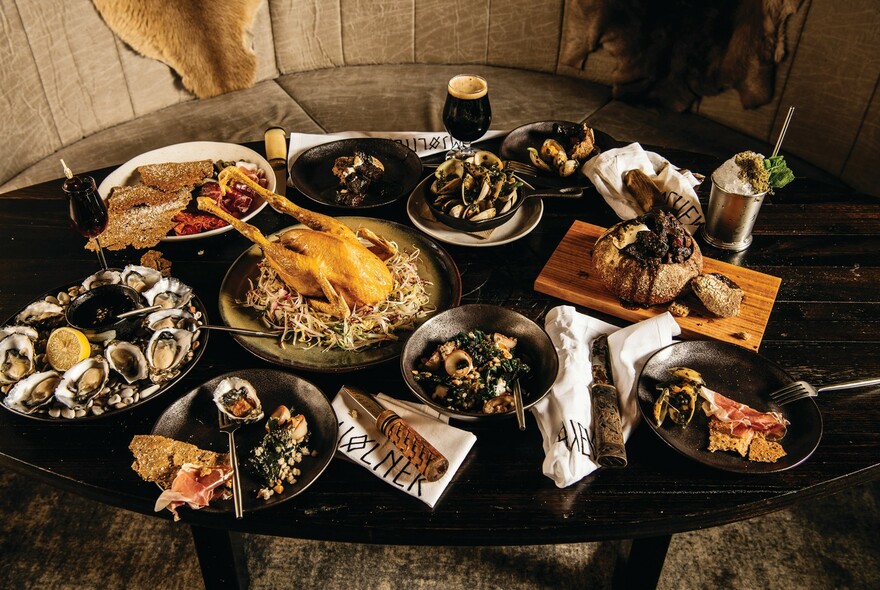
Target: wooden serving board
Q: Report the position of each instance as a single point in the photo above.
(569, 275)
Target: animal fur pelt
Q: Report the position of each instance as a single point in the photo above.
(206, 42)
(675, 51)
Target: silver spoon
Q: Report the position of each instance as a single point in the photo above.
(192, 326)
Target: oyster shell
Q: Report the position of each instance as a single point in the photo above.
(127, 359)
(140, 278)
(170, 318)
(237, 398)
(82, 382)
(40, 312)
(102, 277)
(169, 293)
(167, 350)
(33, 392)
(16, 358)
(26, 330)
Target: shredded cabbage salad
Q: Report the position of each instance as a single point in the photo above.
(284, 309)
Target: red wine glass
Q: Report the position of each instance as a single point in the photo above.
(88, 212)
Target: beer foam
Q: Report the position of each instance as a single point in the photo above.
(468, 87)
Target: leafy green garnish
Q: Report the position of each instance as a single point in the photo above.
(780, 173)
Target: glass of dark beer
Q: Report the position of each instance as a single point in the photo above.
(467, 113)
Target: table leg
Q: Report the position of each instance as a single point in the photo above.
(221, 558)
(644, 565)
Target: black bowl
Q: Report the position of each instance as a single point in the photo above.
(312, 172)
(516, 143)
(94, 312)
(533, 346)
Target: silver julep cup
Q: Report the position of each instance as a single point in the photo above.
(730, 218)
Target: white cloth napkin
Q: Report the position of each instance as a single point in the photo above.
(422, 143)
(362, 443)
(606, 172)
(565, 415)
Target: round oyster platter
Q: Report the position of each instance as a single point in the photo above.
(124, 367)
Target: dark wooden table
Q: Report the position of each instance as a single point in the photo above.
(823, 241)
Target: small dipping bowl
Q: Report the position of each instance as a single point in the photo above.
(94, 313)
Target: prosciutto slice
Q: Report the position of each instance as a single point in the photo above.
(193, 487)
(741, 417)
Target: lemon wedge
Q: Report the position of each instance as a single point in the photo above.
(66, 347)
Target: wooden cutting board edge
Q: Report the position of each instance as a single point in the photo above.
(568, 275)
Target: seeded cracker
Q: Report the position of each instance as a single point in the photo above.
(158, 459)
(173, 176)
(142, 226)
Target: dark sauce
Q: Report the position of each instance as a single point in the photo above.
(100, 311)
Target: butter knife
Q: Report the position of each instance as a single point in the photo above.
(428, 460)
(607, 432)
(276, 154)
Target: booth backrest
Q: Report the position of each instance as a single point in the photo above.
(66, 75)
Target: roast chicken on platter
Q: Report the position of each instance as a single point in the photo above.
(325, 261)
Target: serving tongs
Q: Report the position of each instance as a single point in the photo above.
(229, 426)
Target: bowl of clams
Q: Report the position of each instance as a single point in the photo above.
(464, 362)
(480, 193)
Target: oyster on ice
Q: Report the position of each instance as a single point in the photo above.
(127, 359)
(237, 398)
(167, 350)
(170, 318)
(169, 293)
(26, 330)
(140, 278)
(82, 382)
(40, 312)
(33, 392)
(101, 278)
(16, 358)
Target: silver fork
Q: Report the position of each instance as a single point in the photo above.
(229, 426)
(801, 389)
(521, 168)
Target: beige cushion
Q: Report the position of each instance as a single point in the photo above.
(410, 97)
(234, 117)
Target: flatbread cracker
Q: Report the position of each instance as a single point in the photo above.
(141, 226)
(173, 176)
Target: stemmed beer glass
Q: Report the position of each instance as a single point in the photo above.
(466, 113)
(88, 212)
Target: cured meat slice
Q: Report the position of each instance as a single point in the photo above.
(194, 486)
(741, 417)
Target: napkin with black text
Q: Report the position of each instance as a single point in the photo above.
(361, 442)
(608, 172)
(564, 416)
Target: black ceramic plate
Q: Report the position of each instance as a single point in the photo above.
(193, 419)
(202, 341)
(515, 147)
(312, 172)
(533, 346)
(741, 375)
(435, 265)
